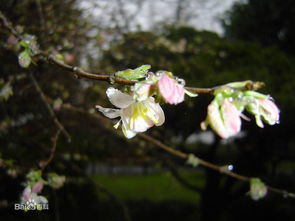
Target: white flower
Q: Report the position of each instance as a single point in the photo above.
(136, 116)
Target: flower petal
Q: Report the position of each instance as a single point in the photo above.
(141, 91)
(37, 187)
(109, 112)
(26, 194)
(269, 111)
(119, 99)
(139, 121)
(155, 112)
(215, 121)
(165, 85)
(128, 133)
(172, 92)
(231, 117)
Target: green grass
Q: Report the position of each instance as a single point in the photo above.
(154, 187)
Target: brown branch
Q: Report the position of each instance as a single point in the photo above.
(80, 73)
(88, 75)
(41, 16)
(49, 108)
(109, 78)
(54, 139)
(7, 24)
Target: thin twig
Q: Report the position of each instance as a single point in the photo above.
(84, 74)
(7, 24)
(41, 16)
(49, 108)
(52, 150)
(42, 19)
(80, 73)
(109, 78)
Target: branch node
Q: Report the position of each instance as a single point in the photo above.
(76, 71)
(112, 79)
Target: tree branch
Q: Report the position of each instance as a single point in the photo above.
(7, 24)
(80, 73)
(54, 139)
(49, 108)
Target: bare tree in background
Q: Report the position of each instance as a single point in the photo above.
(128, 15)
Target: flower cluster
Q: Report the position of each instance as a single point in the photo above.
(31, 194)
(139, 107)
(225, 111)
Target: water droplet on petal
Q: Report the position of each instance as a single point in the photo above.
(181, 81)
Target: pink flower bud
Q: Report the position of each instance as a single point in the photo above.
(269, 111)
(171, 90)
(224, 120)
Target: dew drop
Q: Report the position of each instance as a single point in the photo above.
(181, 81)
(230, 167)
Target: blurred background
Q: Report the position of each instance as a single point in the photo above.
(205, 42)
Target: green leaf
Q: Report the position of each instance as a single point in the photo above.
(34, 176)
(255, 94)
(126, 74)
(142, 70)
(135, 74)
(24, 58)
(24, 44)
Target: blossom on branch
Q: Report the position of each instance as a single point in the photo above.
(171, 90)
(224, 119)
(31, 194)
(136, 116)
(264, 109)
(143, 90)
(230, 101)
